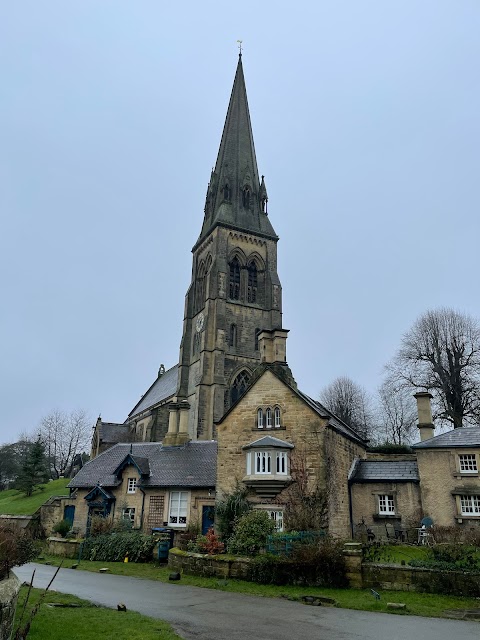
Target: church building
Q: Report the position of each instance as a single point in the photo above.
(235, 294)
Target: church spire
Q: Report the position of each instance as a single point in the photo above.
(235, 197)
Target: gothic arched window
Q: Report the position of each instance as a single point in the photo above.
(246, 197)
(252, 283)
(235, 279)
(277, 417)
(260, 418)
(200, 288)
(268, 414)
(226, 192)
(257, 333)
(239, 385)
(232, 338)
(196, 344)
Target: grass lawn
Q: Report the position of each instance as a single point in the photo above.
(395, 554)
(13, 502)
(420, 604)
(87, 621)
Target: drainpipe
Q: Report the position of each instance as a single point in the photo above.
(143, 508)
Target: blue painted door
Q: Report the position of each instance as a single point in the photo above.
(69, 513)
(208, 515)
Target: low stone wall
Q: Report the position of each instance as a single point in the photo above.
(63, 548)
(9, 589)
(199, 564)
(399, 578)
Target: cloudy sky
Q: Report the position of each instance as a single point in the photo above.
(366, 124)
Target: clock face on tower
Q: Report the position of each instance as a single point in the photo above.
(200, 322)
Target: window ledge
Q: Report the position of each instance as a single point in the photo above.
(469, 517)
(463, 474)
(282, 428)
(270, 477)
(387, 516)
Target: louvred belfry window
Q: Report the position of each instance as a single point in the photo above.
(235, 279)
(252, 282)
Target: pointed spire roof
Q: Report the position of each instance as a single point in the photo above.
(235, 197)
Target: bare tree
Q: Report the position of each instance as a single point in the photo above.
(397, 413)
(351, 403)
(441, 354)
(65, 436)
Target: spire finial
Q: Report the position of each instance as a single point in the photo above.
(239, 48)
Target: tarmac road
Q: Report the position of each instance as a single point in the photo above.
(206, 614)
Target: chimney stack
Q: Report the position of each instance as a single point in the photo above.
(273, 346)
(425, 421)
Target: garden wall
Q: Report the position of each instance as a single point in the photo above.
(361, 575)
(396, 578)
(199, 564)
(63, 548)
(9, 588)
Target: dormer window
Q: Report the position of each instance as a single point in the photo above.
(267, 465)
(131, 485)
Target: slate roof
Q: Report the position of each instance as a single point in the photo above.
(461, 437)
(112, 432)
(164, 387)
(334, 422)
(191, 465)
(269, 441)
(385, 470)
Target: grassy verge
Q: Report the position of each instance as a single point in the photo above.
(15, 503)
(85, 621)
(420, 604)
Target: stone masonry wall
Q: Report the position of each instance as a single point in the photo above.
(440, 479)
(317, 447)
(408, 509)
(198, 564)
(9, 588)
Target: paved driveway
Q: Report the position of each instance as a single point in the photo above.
(206, 614)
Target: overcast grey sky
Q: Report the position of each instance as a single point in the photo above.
(366, 123)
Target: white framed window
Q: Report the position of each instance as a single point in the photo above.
(267, 463)
(268, 414)
(468, 463)
(129, 514)
(260, 418)
(131, 485)
(277, 517)
(470, 505)
(386, 505)
(263, 462)
(277, 417)
(282, 459)
(177, 512)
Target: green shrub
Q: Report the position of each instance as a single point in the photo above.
(227, 511)
(390, 447)
(62, 527)
(250, 533)
(115, 546)
(16, 548)
(318, 564)
(451, 557)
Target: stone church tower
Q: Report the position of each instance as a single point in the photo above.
(235, 291)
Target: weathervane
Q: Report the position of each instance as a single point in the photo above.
(240, 47)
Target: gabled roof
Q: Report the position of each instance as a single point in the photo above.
(112, 432)
(97, 490)
(282, 372)
(385, 471)
(191, 465)
(163, 388)
(141, 464)
(269, 441)
(461, 437)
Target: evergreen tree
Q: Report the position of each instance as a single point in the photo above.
(34, 471)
